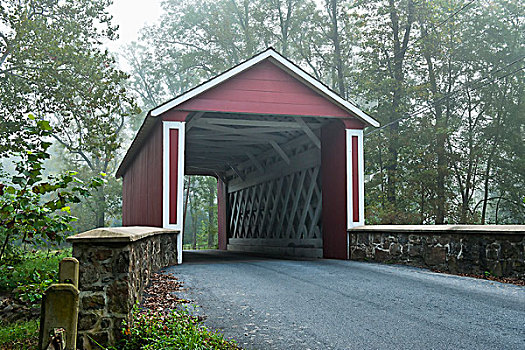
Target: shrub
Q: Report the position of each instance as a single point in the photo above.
(34, 210)
(31, 274)
(176, 329)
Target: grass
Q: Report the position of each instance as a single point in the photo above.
(174, 330)
(19, 335)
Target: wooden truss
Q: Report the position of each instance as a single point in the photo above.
(272, 169)
(286, 208)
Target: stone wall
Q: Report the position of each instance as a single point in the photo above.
(499, 250)
(115, 267)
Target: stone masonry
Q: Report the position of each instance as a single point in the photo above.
(498, 250)
(115, 267)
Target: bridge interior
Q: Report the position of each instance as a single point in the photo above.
(269, 170)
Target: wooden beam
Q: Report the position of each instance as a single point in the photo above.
(236, 131)
(223, 143)
(255, 162)
(237, 172)
(193, 119)
(224, 137)
(297, 142)
(309, 132)
(217, 150)
(280, 151)
(251, 122)
(303, 161)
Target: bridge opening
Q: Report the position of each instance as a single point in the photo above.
(269, 179)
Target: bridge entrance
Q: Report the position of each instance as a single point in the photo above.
(286, 150)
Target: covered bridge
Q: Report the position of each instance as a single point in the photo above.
(287, 152)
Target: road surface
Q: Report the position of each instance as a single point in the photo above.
(332, 304)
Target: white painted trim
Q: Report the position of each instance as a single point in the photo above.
(253, 61)
(167, 126)
(349, 175)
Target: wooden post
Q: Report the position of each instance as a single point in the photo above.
(333, 175)
(222, 215)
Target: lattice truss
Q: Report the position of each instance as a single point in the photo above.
(288, 207)
(271, 165)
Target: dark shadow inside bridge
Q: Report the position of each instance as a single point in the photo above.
(222, 256)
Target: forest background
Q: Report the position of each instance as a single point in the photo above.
(444, 78)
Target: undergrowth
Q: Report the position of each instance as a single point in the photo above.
(176, 329)
(19, 335)
(28, 276)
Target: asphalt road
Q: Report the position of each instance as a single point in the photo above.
(332, 304)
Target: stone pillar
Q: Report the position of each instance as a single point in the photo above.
(59, 312)
(115, 266)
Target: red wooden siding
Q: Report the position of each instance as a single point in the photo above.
(222, 218)
(175, 116)
(264, 89)
(142, 184)
(333, 179)
(174, 173)
(355, 179)
(353, 124)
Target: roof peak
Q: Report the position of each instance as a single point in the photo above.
(281, 61)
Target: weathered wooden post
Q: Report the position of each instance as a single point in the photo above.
(59, 311)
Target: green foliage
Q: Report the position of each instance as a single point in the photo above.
(29, 274)
(34, 210)
(201, 214)
(52, 65)
(174, 330)
(45, 54)
(19, 335)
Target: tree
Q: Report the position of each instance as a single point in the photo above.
(51, 61)
(40, 45)
(33, 209)
(201, 214)
(386, 30)
(91, 128)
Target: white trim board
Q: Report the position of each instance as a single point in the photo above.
(167, 126)
(349, 176)
(270, 53)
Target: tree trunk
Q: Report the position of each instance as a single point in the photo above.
(489, 160)
(211, 202)
(441, 136)
(100, 207)
(193, 213)
(400, 47)
(338, 61)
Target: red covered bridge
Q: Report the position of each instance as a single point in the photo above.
(287, 152)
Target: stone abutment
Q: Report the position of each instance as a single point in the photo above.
(495, 249)
(115, 267)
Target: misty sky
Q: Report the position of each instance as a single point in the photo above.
(131, 16)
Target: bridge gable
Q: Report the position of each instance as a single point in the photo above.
(264, 88)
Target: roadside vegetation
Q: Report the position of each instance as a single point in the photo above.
(19, 335)
(23, 280)
(176, 329)
(163, 322)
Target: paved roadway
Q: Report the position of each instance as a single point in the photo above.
(332, 304)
